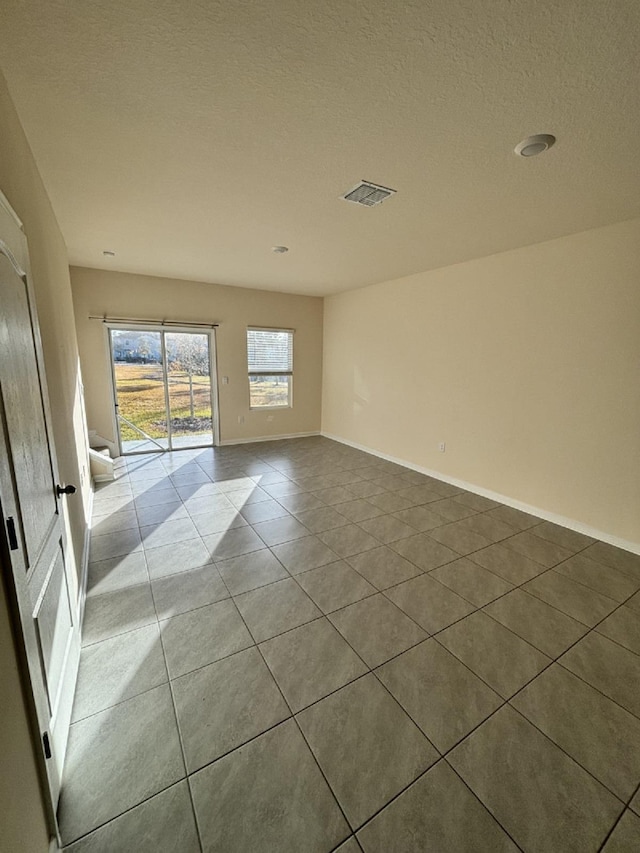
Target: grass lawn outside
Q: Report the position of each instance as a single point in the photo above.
(269, 391)
(141, 400)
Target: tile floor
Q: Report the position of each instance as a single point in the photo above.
(297, 647)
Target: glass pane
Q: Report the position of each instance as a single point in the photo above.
(137, 364)
(188, 374)
(269, 391)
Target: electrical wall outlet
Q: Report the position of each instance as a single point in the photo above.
(240, 419)
(269, 418)
(442, 447)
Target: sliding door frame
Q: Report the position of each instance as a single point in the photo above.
(213, 379)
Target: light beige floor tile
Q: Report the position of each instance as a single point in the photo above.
(167, 532)
(439, 813)
(201, 636)
(310, 662)
(421, 518)
(424, 552)
(366, 746)
(597, 733)
(383, 567)
(186, 591)
(459, 537)
(117, 669)
(607, 666)
(349, 540)
(117, 544)
(471, 581)
(377, 629)
(304, 554)
(274, 609)
(268, 795)
(251, 571)
(335, 586)
(500, 658)
(623, 626)
(515, 517)
(224, 705)
(438, 692)
(603, 579)
(235, 542)
(429, 603)
(544, 800)
(625, 838)
(319, 520)
(542, 551)
(574, 599)
(617, 558)
(116, 759)
(176, 558)
(513, 567)
(164, 822)
(562, 536)
(545, 627)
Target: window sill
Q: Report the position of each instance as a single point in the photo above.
(269, 408)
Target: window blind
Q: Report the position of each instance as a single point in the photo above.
(270, 351)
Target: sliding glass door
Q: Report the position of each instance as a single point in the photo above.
(189, 388)
(163, 389)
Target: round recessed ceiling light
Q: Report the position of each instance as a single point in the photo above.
(279, 250)
(109, 254)
(533, 145)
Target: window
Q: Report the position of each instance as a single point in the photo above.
(270, 359)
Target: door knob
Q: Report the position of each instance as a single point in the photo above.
(65, 490)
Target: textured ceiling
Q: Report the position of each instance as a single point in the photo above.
(190, 136)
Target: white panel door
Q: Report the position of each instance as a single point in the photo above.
(42, 586)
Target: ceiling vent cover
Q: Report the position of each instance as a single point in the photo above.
(368, 194)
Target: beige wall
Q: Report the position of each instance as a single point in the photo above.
(99, 292)
(23, 823)
(526, 363)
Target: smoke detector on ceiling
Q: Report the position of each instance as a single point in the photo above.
(533, 145)
(368, 194)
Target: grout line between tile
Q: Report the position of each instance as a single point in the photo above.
(620, 816)
(120, 814)
(293, 716)
(486, 808)
(181, 742)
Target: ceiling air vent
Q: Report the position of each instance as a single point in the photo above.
(368, 194)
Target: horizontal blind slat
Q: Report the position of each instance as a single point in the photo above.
(269, 351)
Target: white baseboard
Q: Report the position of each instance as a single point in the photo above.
(229, 441)
(84, 573)
(562, 520)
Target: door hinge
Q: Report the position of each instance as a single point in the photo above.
(11, 533)
(46, 745)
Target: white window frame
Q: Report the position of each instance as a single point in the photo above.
(289, 373)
